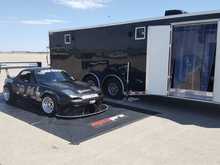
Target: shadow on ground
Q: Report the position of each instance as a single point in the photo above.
(184, 112)
(73, 130)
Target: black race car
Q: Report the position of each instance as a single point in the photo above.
(58, 93)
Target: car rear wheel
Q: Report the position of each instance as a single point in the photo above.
(49, 105)
(8, 95)
(113, 88)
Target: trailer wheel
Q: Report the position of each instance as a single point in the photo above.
(91, 80)
(113, 88)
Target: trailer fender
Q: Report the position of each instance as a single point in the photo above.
(94, 75)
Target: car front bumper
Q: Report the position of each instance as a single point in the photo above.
(82, 108)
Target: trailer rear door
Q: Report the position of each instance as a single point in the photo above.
(158, 50)
(216, 93)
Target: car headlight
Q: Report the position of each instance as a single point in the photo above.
(77, 100)
(70, 93)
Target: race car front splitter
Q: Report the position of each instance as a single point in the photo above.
(82, 111)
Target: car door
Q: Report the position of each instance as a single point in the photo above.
(25, 84)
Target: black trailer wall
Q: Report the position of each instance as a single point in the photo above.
(95, 49)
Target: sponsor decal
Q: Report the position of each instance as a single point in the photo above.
(38, 94)
(29, 91)
(20, 89)
(108, 120)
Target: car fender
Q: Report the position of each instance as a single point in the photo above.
(52, 93)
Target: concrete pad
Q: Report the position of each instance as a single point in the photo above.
(75, 130)
(180, 137)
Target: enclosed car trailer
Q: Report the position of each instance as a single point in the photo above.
(175, 56)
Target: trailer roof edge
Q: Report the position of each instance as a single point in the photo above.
(138, 20)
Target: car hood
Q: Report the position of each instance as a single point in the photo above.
(77, 87)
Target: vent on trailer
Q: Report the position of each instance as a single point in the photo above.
(174, 12)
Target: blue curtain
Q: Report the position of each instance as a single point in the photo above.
(193, 56)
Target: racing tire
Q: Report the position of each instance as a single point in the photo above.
(112, 88)
(49, 105)
(8, 96)
(91, 80)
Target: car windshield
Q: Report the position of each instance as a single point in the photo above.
(51, 75)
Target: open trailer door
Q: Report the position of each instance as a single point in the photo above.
(158, 52)
(194, 61)
(216, 93)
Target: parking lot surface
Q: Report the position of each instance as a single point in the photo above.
(180, 134)
(76, 130)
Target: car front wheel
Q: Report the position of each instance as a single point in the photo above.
(49, 105)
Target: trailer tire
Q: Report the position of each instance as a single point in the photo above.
(91, 80)
(113, 88)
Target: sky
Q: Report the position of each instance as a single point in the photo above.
(24, 24)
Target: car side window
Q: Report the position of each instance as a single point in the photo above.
(26, 77)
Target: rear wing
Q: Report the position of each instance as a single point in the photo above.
(18, 65)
